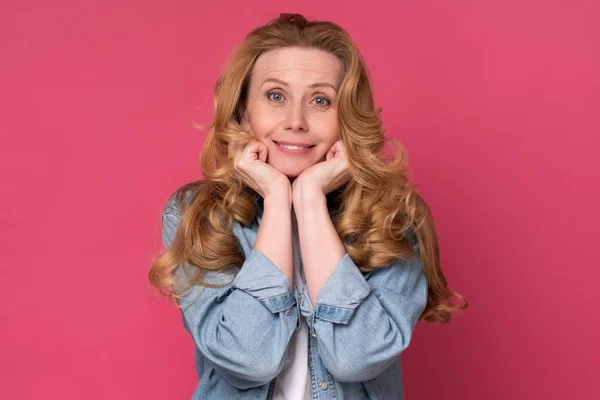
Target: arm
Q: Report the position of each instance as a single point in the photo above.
(274, 238)
(320, 244)
(242, 328)
(362, 322)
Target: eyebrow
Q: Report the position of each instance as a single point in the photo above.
(312, 85)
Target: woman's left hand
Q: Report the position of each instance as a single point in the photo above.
(325, 176)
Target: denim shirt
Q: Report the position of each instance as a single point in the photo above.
(359, 327)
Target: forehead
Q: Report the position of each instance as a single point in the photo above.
(298, 65)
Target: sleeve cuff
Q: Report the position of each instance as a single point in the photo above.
(345, 289)
(261, 279)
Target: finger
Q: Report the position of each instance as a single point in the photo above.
(262, 154)
(335, 150)
(339, 150)
(253, 151)
(330, 154)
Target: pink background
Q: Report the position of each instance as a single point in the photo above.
(496, 102)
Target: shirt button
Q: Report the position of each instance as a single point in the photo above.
(288, 311)
(323, 385)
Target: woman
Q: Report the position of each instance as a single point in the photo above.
(304, 260)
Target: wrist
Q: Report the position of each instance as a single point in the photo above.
(306, 198)
(281, 188)
(306, 193)
(279, 197)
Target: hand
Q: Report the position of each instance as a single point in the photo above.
(326, 176)
(249, 161)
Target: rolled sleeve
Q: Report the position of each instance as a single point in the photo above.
(362, 330)
(345, 290)
(261, 279)
(251, 309)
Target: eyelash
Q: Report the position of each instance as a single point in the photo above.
(320, 97)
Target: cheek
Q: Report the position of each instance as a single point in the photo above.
(328, 128)
(263, 121)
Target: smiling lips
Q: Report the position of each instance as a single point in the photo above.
(295, 148)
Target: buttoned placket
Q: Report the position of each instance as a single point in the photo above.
(322, 382)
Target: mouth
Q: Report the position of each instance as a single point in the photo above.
(294, 146)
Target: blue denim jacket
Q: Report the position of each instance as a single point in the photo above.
(359, 327)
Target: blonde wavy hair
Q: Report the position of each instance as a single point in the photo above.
(375, 213)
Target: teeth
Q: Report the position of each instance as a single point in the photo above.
(286, 146)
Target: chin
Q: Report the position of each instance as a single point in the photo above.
(290, 172)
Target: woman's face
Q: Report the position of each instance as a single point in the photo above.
(291, 106)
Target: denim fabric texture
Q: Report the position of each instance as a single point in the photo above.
(359, 327)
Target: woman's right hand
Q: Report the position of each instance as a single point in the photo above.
(250, 162)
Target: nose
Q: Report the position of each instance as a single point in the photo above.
(296, 118)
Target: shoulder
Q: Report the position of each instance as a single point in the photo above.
(173, 209)
(182, 197)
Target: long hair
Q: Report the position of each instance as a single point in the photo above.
(375, 213)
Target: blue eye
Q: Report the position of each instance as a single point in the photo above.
(322, 101)
(275, 96)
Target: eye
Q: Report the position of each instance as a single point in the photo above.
(322, 101)
(275, 96)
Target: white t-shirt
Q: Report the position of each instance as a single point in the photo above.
(293, 382)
